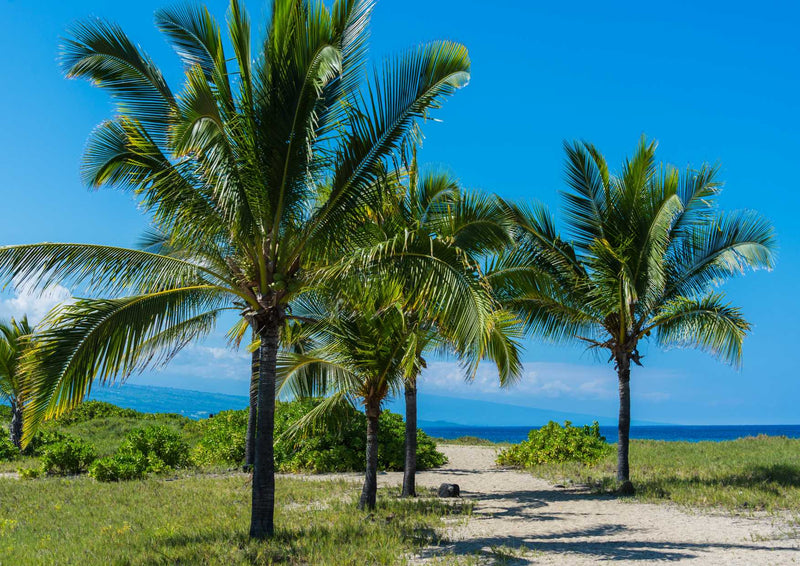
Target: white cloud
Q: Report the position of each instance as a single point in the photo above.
(539, 380)
(33, 302)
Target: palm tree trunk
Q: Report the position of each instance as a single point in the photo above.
(410, 468)
(263, 504)
(370, 491)
(624, 425)
(15, 428)
(250, 440)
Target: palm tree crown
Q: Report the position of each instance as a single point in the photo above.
(644, 252)
(257, 172)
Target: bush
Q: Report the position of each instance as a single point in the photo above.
(339, 448)
(155, 449)
(89, 410)
(8, 451)
(342, 448)
(29, 473)
(553, 444)
(222, 440)
(70, 456)
(44, 438)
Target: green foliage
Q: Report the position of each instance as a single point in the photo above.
(69, 456)
(93, 410)
(553, 443)
(89, 410)
(7, 450)
(5, 413)
(155, 449)
(342, 447)
(338, 448)
(222, 438)
(391, 448)
(43, 438)
(29, 473)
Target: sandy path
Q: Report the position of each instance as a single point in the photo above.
(563, 526)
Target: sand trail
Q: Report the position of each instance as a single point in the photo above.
(520, 519)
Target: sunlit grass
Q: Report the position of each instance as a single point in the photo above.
(760, 473)
(201, 519)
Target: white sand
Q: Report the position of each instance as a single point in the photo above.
(515, 510)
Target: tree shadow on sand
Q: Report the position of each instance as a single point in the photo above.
(584, 542)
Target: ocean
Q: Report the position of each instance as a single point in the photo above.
(198, 404)
(688, 433)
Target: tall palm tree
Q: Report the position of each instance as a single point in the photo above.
(255, 174)
(643, 252)
(14, 341)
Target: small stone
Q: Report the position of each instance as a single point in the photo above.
(449, 490)
(560, 486)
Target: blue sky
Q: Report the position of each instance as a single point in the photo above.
(717, 83)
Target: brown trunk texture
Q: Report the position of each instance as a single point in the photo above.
(410, 468)
(263, 502)
(369, 493)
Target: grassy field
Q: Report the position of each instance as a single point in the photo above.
(761, 473)
(203, 519)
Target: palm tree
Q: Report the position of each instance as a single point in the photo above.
(14, 341)
(356, 351)
(432, 204)
(257, 173)
(644, 250)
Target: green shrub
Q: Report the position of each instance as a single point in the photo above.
(338, 448)
(222, 438)
(342, 447)
(91, 410)
(70, 456)
(8, 451)
(43, 438)
(5, 413)
(553, 444)
(155, 449)
(29, 473)
(120, 467)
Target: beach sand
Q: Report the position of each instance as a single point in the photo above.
(515, 510)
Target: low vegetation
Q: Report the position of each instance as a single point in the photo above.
(554, 443)
(178, 512)
(120, 444)
(203, 519)
(757, 473)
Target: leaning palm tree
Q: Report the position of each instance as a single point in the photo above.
(644, 251)
(255, 174)
(14, 341)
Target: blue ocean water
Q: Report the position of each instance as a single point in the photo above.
(690, 433)
(198, 404)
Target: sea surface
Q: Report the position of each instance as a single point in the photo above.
(197, 405)
(689, 433)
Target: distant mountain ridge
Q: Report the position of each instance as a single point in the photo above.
(434, 410)
(439, 411)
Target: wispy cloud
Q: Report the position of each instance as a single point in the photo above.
(26, 300)
(539, 380)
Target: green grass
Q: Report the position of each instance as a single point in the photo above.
(760, 473)
(201, 519)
